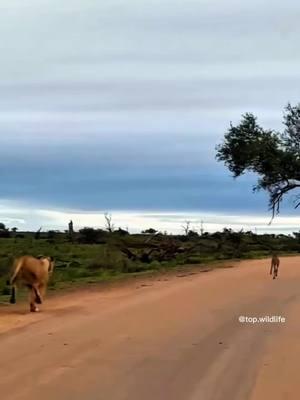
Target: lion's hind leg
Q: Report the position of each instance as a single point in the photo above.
(38, 296)
(12, 299)
(272, 267)
(33, 299)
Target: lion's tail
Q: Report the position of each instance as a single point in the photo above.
(16, 270)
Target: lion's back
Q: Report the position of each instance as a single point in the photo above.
(33, 268)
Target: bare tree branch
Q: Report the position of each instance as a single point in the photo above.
(186, 227)
(109, 226)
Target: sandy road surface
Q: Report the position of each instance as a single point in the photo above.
(176, 339)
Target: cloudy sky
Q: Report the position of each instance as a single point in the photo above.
(118, 105)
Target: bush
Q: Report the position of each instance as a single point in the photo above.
(91, 235)
(5, 291)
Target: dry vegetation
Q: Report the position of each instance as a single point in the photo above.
(92, 255)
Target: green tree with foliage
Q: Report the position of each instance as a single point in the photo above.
(273, 156)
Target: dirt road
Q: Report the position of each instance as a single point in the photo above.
(176, 338)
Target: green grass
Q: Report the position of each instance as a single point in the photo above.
(80, 264)
(76, 264)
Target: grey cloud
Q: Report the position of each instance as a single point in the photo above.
(94, 91)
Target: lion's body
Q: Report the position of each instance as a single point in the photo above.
(33, 273)
(275, 262)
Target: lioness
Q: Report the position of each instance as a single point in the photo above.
(274, 266)
(33, 273)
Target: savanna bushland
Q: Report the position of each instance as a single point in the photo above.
(94, 255)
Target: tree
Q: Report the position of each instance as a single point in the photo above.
(122, 232)
(51, 235)
(71, 231)
(186, 227)
(149, 231)
(297, 236)
(89, 235)
(193, 234)
(4, 232)
(202, 229)
(37, 235)
(109, 226)
(273, 156)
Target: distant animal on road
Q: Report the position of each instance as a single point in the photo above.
(34, 274)
(275, 262)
